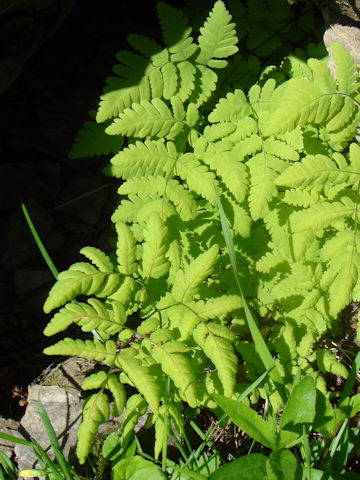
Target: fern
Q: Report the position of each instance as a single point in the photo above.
(277, 145)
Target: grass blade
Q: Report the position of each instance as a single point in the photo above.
(54, 441)
(259, 342)
(13, 439)
(39, 243)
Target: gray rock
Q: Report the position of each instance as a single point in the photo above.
(8, 426)
(64, 409)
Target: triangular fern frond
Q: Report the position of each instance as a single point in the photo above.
(217, 307)
(146, 118)
(172, 189)
(130, 86)
(81, 279)
(176, 32)
(118, 392)
(144, 158)
(320, 216)
(92, 140)
(188, 281)
(216, 342)
(142, 377)
(301, 103)
(94, 315)
(126, 249)
(217, 38)
(233, 107)
(95, 412)
(346, 69)
(197, 176)
(263, 172)
(177, 365)
(154, 263)
(315, 171)
(93, 349)
(340, 278)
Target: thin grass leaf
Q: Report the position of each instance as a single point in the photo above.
(39, 243)
(45, 254)
(13, 439)
(45, 460)
(259, 342)
(8, 466)
(54, 441)
(350, 380)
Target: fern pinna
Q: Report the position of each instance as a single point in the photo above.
(164, 303)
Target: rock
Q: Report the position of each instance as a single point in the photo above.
(64, 409)
(8, 426)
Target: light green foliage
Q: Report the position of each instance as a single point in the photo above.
(281, 155)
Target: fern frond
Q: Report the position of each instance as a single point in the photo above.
(232, 108)
(176, 32)
(314, 171)
(301, 103)
(186, 73)
(263, 172)
(130, 86)
(146, 118)
(328, 363)
(320, 216)
(322, 75)
(299, 197)
(81, 279)
(197, 176)
(93, 349)
(98, 258)
(154, 262)
(135, 407)
(125, 251)
(90, 316)
(280, 149)
(142, 377)
(269, 261)
(95, 412)
(177, 365)
(217, 306)
(144, 158)
(118, 392)
(216, 342)
(176, 193)
(204, 86)
(340, 279)
(217, 38)
(95, 380)
(188, 281)
(162, 430)
(346, 69)
(92, 140)
(228, 167)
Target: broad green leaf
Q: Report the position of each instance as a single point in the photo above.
(250, 467)
(281, 465)
(300, 407)
(136, 468)
(248, 420)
